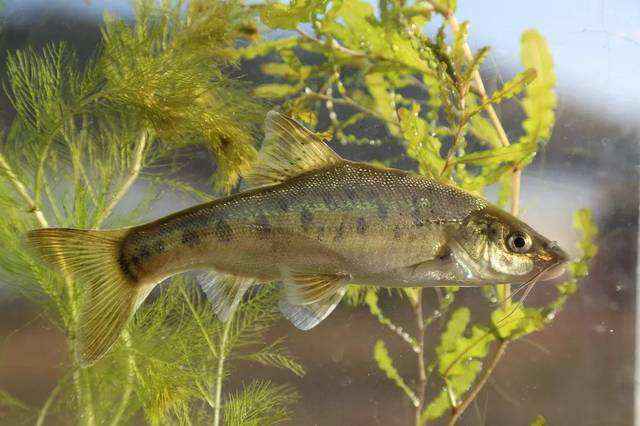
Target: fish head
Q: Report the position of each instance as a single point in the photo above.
(497, 246)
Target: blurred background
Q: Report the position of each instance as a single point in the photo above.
(579, 370)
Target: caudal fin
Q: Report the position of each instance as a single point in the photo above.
(91, 258)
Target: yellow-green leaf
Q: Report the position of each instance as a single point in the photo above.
(422, 146)
(383, 98)
(512, 153)
(514, 86)
(385, 363)
(458, 360)
(274, 90)
(516, 321)
(540, 101)
(288, 17)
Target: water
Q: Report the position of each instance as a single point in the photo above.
(578, 370)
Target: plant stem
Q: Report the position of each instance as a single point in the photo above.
(493, 116)
(460, 408)
(422, 372)
(515, 207)
(136, 166)
(47, 405)
(126, 395)
(350, 102)
(42, 221)
(22, 191)
(196, 316)
(334, 45)
(221, 359)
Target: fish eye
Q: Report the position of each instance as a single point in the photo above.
(519, 242)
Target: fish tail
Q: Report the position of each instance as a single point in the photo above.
(112, 294)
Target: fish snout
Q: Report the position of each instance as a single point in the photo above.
(559, 265)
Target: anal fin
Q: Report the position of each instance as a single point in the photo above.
(309, 299)
(224, 291)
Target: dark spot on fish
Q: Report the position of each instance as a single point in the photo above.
(223, 231)
(361, 225)
(282, 204)
(415, 212)
(198, 221)
(383, 211)
(350, 194)
(306, 217)
(417, 218)
(158, 247)
(143, 253)
(190, 238)
(165, 229)
(264, 227)
(339, 232)
(125, 266)
(397, 233)
(329, 200)
(136, 261)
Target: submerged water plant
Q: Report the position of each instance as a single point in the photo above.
(86, 135)
(87, 132)
(348, 66)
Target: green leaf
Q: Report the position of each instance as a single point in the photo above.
(460, 39)
(275, 90)
(458, 359)
(422, 145)
(584, 223)
(279, 69)
(265, 47)
(512, 154)
(356, 26)
(288, 17)
(514, 86)
(516, 321)
(445, 6)
(383, 98)
(478, 59)
(385, 363)
(540, 100)
(371, 299)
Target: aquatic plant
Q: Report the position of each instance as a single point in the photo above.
(84, 134)
(346, 66)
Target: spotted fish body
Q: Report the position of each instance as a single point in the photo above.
(314, 222)
(347, 218)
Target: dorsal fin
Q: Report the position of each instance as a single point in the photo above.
(289, 149)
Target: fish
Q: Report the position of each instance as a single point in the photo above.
(310, 220)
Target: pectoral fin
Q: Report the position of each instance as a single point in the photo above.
(224, 291)
(308, 299)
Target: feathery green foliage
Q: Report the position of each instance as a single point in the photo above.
(85, 132)
(259, 403)
(365, 68)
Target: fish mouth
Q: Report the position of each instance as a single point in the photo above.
(552, 272)
(559, 268)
